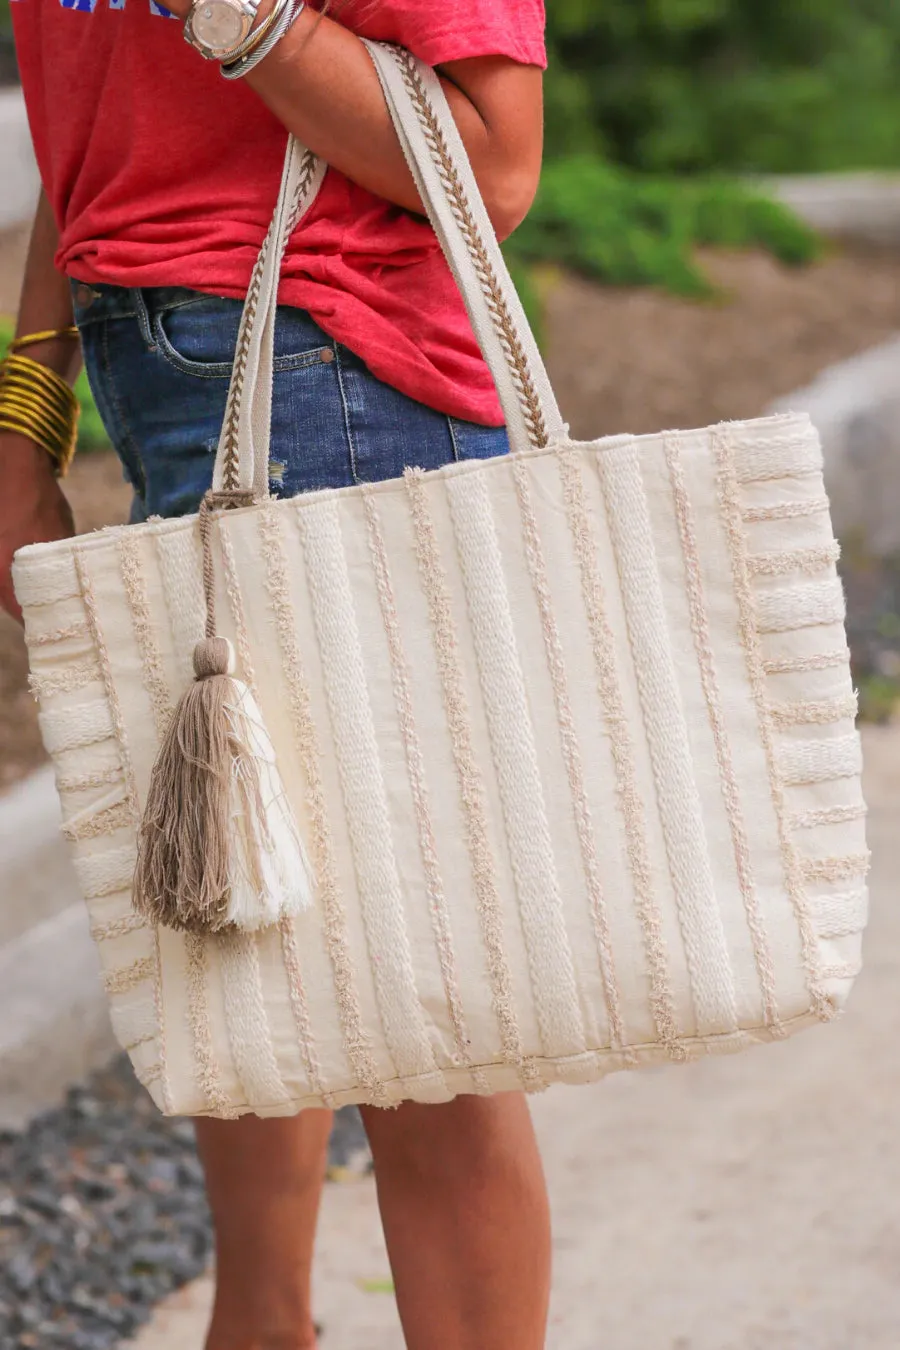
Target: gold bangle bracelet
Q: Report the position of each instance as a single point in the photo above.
(61, 453)
(60, 447)
(43, 393)
(50, 335)
(26, 368)
(65, 412)
(59, 426)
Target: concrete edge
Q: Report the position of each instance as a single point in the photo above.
(54, 1022)
(18, 170)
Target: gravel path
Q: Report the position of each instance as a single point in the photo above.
(103, 1214)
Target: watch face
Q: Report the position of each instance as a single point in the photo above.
(219, 25)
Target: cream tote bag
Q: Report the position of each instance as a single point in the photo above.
(568, 735)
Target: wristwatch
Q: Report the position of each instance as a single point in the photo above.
(218, 28)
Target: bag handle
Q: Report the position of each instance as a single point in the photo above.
(437, 158)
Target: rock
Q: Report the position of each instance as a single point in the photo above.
(856, 408)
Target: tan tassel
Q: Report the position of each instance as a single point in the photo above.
(218, 847)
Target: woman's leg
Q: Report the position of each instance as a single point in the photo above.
(465, 1214)
(264, 1180)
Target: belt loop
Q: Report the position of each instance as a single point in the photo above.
(142, 314)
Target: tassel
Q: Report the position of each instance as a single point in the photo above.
(218, 847)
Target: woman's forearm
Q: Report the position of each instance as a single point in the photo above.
(320, 82)
(46, 301)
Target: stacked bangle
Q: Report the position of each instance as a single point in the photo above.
(49, 335)
(38, 403)
(270, 32)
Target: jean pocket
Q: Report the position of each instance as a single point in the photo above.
(199, 337)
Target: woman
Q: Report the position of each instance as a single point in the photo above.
(159, 179)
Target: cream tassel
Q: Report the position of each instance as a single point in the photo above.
(218, 846)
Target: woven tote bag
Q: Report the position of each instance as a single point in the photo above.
(569, 734)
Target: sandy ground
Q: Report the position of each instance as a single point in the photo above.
(741, 1204)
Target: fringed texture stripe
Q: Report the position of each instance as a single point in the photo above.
(730, 507)
(278, 587)
(724, 758)
(152, 670)
(815, 713)
(217, 1103)
(434, 584)
(813, 506)
(415, 767)
(836, 869)
(365, 797)
(584, 824)
(287, 936)
(65, 681)
(635, 829)
(95, 824)
(249, 1033)
(72, 630)
(794, 560)
(85, 782)
(708, 958)
(116, 928)
(511, 734)
(799, 665)
(827, 815)
(128, 977)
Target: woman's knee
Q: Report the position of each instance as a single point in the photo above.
(463, 1141)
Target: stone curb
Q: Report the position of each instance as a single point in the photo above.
(861, 206)
(18, 171)
(855, 405)
(54, 1025)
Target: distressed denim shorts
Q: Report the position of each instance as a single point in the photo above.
(159, 361)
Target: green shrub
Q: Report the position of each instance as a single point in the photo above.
(627, 229)
(726, 85)
(91, 431)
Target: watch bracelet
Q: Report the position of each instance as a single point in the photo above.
(288, 13)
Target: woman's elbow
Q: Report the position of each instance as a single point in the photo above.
(509, 197)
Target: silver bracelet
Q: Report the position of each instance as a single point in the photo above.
(288, 13)
(256, 35)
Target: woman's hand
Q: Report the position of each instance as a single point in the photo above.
(33, 507)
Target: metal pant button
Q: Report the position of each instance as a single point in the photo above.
(85, 295)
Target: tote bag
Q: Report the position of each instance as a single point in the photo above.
(569, 734)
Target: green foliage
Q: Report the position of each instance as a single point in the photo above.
(627, 229)
(91, 431)
(726, 85)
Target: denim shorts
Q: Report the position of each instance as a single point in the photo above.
(159, 362)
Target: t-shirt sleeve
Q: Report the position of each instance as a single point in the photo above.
(456, 29)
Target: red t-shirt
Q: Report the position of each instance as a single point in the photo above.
(162, 174)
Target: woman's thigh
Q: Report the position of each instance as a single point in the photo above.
(159, 363)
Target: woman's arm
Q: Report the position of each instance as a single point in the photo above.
(33, 508)
(320, 82)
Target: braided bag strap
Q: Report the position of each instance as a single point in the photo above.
(437, 158)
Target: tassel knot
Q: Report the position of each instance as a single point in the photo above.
(213, 656)
(218, 846)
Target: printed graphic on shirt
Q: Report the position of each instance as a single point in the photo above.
(88, 6)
